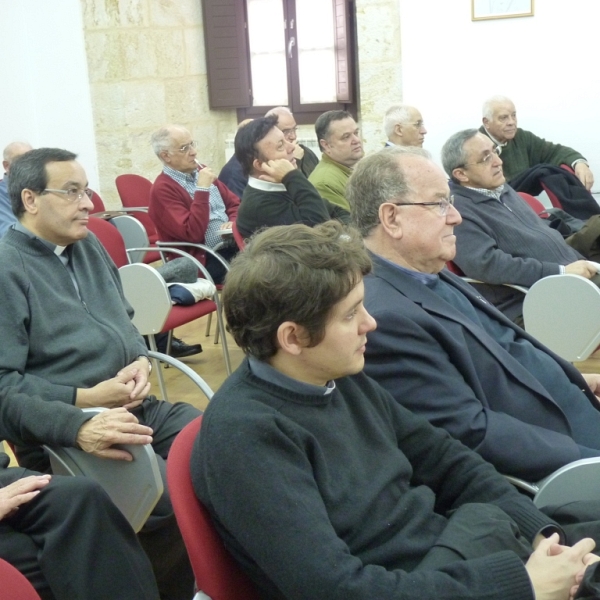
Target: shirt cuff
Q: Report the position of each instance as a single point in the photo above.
(561, 269)
(579, 160)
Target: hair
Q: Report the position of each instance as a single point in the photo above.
(453, 151)
(279, 110)
(376, 179)
(324, 121)
(489, 105)
(28, 171)
(248, 136)
(161, 140)
(393, 115)
(291, 273)
(14, 150)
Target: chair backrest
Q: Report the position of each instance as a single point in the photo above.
(238, 237)
(535, 204)
(216, 572)
(15, 586)
(134, 235)
(134, 190)
(110, 238)
(147, 292)
(97, 202)
(453, 268)
(563, 312)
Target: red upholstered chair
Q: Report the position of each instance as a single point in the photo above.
(14, 584)
(538, 208)
(153, 310)
(134, 191)
(97, 202)
(216, 572)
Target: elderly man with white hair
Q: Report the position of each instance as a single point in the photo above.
(12, 151)
(404, 126)
(521, 150)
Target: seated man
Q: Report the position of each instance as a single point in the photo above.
(341, 492)
(232, 174)
(530, 160)
(64, 533)
(188, 203)
(306, 159)
(403, 126)
(277, 192)
(501, 240)
(12, 151)
(444, 352)
(340, 143)
(68, 335)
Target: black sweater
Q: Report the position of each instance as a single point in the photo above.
(341, 496)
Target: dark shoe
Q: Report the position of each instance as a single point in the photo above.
(179, 349)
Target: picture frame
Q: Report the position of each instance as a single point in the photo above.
(483, 10)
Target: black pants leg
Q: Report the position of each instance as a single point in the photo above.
(83, 548)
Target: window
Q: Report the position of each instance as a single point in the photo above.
(265, 53)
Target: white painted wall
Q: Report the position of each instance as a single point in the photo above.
(547, 64)
(44, 95)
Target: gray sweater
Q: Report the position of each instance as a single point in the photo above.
(53, 341)
(505, 241)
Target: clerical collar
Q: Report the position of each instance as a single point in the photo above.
(265, 371)
(265, 186)
(58, 250)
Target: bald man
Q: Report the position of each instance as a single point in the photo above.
(12, 151)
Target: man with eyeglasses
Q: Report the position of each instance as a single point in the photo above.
(403, 125)
(306, 159)
(501, 239)
(12, 151)
(532, 164)
(67, 334)
(444, 352)
(189, 204)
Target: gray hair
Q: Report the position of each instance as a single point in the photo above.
(15, 149)
(162, 139)
(395, 114)
(490, 104)
(278, 111)
(453, 151)
(377, 179)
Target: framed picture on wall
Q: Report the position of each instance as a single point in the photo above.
(500, 9)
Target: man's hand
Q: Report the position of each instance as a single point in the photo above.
(593, 381)
(127, 388)
(116, 426)
(206, 176)
(20, 492)
(298, 152)
(553, 568)
(581, 267)
(585, 175)
(276, 170)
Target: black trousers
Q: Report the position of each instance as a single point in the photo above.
(72, 543)
(160, 537)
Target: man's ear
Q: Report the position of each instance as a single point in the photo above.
(257, 165)
(30, 201)
(390, 220)
(324, 145)
(460, 175)
(398, 129)
(291, 338)
(5, 165)
(165, 156)
(485, 121)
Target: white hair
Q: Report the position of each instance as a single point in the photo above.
(490, 104)
(279, 110)
(162, 139)
(399, 113)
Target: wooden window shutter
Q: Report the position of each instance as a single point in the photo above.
(343, 50)
(227, 58)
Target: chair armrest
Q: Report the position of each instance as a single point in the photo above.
(133, 209)
(519, 288)
(203, 247)
(530, 488)
(204, 387)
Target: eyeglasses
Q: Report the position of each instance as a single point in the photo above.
(486, 159)
(288, 132)
(72, 194)
(443, 205)
(185, 149)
